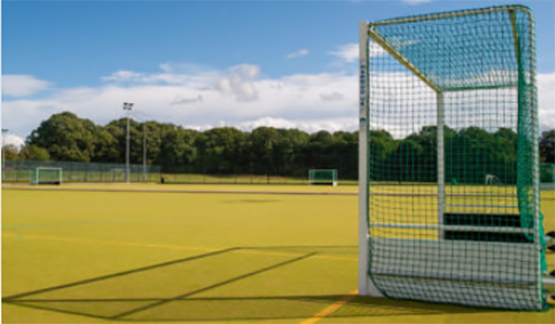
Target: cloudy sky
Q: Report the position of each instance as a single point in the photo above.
(207, 64)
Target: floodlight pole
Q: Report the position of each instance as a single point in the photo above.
(144, 151)
(4, 130)
(127, 106)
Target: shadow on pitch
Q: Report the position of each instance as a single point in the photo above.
(194, 305)
(239, 308)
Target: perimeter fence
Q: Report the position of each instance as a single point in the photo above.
(19, 171)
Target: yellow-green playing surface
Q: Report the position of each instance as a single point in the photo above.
(159, 256)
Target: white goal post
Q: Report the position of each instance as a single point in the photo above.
(365, 286)
(46, 175)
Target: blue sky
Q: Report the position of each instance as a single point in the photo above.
(88, 57)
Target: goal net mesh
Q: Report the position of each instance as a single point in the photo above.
(438, 231)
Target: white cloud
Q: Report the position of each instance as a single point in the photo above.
(21, 85)
(416, 2)
(236, 82)
(546, 100)
(124, 76)
(185, 101)
(240, 96)
(349, 53)
(11, 139)
(309, 125)
(299, 53)
(332, 96)
(196, 77)
(239, 82)
(184, 68)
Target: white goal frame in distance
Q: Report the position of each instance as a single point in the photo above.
(37, 173)
(492, 179)
(333, 182)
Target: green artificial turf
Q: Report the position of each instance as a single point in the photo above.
(88, 257)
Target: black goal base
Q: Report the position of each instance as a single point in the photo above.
(49, 183)
(551, 244)
(484, 220)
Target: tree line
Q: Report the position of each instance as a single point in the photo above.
(271, 151)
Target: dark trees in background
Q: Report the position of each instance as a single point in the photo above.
(66, 137)
(286, 152)
(33, 152)
(223, 150)
(547, 146)
(172, 147)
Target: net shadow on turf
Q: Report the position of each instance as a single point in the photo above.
(190, 289)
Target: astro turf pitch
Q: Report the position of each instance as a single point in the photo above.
(152, 253)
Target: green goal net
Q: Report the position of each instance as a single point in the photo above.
(449, 160)
(322, 177)
(547, 176)
(46, 175)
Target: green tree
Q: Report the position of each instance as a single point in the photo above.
(547, 146)
(504, 155)
(345, 150)
(33, 152)
(382, 147)
(153, 140)
(288, 151)
(105, 146)
(117, 130)
(177, 149)
(472, 155)
(267, 150)
(66, 137)
(319, 151)
(404, 162)
(223, 150)
(10, 152)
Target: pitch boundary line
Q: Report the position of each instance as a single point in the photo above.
(296, 193)
(330, 309)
